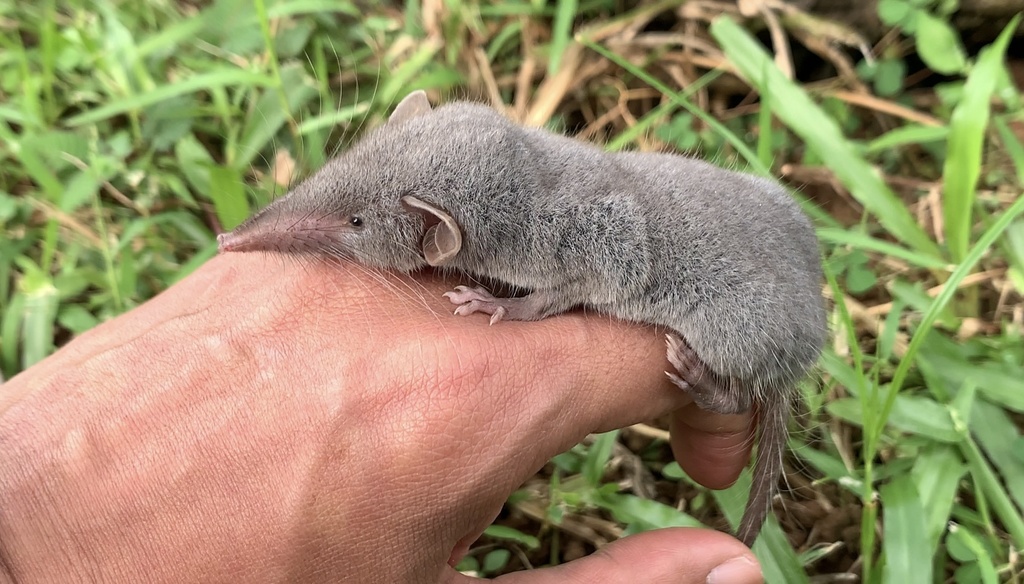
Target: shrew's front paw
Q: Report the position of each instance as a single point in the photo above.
(472, 300)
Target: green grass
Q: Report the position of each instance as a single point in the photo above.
(131, 133)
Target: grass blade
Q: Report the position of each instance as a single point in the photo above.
(749, 156)
(597, 457)
(228, 194)
(793, 106)
(986, 569)
(941, 301)
(967, 128)
(329, 120)
(297, 7)
(171, 36)
(10, 329)
(1013, 147)
(38, 315)
(221, 78)
(647, 513)
(270, 112)
(561, 34)
(998, 438)
(988, 482)
(912, 414)
(937, 472)
(858, 240)
(904, 538)
(915, 134)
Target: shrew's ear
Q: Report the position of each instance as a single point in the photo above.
(413, 105)
(442, 238)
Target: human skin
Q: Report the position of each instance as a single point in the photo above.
(270, 420)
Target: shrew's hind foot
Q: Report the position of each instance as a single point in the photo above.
(710, 391)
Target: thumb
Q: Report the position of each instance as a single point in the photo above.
(680, 555)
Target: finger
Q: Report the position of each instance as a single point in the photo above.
(576, 374)
(676, 556)
(711, 448)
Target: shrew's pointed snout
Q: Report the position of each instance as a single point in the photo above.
(308, 236)
(242, 240)
(228, 242)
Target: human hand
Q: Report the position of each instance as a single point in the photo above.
(266, 421)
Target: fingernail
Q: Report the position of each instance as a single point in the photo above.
(741, 570)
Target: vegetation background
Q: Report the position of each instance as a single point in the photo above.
(131, 132)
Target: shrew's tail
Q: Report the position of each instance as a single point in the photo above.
(767, 465)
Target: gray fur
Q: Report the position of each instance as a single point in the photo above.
(724, 259)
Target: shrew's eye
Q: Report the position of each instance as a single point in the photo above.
(355, 221)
